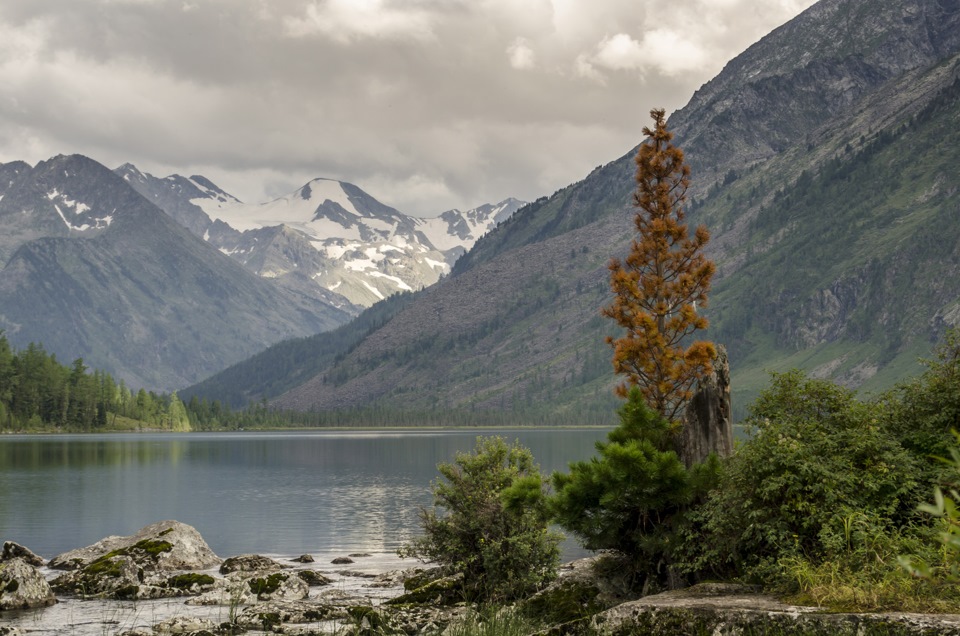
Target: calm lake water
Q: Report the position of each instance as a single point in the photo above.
(268, 493)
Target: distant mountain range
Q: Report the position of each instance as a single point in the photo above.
(824, 164)
(162, 282)
(328, 234)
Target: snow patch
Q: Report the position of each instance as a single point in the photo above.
(375, 291)
(436, 264)
(398, 282)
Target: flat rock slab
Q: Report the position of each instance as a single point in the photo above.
(721, 610)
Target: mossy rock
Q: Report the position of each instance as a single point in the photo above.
(268, 585)
(188, 581)
(445, 591)
(564, 602)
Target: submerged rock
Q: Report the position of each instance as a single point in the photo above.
(22, 586)
(162, 546)
(12, 550)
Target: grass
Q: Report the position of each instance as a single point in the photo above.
(493, 622)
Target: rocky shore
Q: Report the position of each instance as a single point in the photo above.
(166, 580)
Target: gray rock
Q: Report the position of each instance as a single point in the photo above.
(13, 550)
(162, 546)
(342, 561)
(22, 586)
(6, 630)
(249, 563)
(303, 558)
(184, 625)
(313, 578)
(276, 613)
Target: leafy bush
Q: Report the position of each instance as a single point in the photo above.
(816, 457)
(631, 497)
(494, 528)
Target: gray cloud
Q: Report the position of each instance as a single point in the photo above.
(427, 104)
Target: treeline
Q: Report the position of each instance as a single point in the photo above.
(37, 392)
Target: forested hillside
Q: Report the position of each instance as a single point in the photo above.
(39, 393)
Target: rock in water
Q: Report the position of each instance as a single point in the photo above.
(249, 563)
(13, 550)
(22, 586)
(162, 546)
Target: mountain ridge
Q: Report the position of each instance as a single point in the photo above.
(328, 236)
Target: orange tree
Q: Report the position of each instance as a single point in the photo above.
(660, 284)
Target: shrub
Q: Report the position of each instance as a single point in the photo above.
(494, 525)
(816, 457)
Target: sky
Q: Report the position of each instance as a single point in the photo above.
(427, 105)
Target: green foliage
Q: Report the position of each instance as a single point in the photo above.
(493, 529)
(924, 411)
(815, 456)
(632, 496)
(946, 567)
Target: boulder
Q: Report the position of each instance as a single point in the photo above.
(303, 558)
(342, 561)
(162, 546)
(22, 586)
(115, 577)
(249, 563)
(13, 550)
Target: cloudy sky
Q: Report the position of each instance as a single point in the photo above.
(425, 104)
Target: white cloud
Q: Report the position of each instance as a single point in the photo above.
(348, 20)
(411, 100)
(521, 55)
(620, 52)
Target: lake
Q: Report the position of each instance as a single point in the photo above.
(290, 493)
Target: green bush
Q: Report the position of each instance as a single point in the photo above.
(494, 525)
(816, 456)
(631, 498)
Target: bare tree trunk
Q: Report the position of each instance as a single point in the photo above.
(707, 421)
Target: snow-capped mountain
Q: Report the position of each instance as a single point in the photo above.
(328, 235)
(91, 269)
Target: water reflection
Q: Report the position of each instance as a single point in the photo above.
(279, 493)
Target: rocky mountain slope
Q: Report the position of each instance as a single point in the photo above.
(91, 269)
(824, 163)
(329, 237)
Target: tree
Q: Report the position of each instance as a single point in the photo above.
(495, 527)
(661, 282)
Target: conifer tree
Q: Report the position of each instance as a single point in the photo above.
(661, 283)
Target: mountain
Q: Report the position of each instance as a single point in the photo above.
(94, 270)
(824, 164)
(328, 236)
